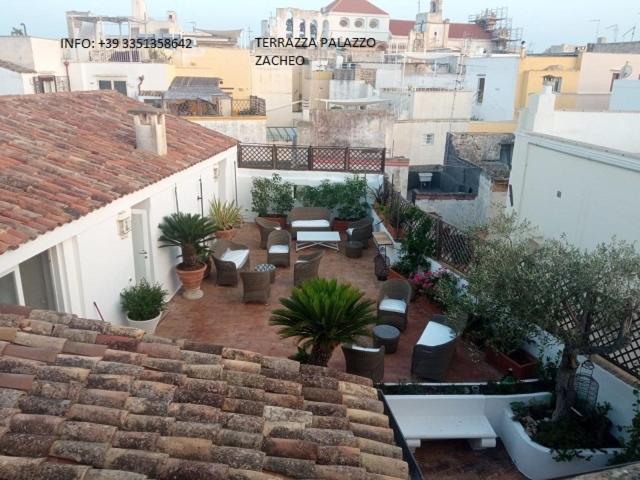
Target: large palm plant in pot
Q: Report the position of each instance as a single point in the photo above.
(322, 314)
(191, 233)
(226, 216)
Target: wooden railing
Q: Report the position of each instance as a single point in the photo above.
(320, 159)
(249, 106)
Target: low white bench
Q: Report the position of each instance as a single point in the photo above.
(443, 418)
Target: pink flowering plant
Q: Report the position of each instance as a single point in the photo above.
(426, 283)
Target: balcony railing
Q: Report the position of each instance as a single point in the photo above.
(249, 106)
(142, 55)
(319, 159)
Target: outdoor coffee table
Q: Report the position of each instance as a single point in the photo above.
(387, 336)
(318, 239)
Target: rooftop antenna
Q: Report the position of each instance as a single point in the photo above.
(597, 22)
(632, 31)
(193, 26)
(615, 30)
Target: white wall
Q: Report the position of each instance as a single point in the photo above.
(409, 139)
(85, 76)
(349, 89)
(501, 75)
(597, 69)
(246, 130)
(95, 263)
(440, 104)
(381, 34)
(245, 177)
(625, 96)
(275, 85)
(47, 56)
(598, 190)
(12, 83)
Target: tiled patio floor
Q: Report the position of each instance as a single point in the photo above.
(221, 317)
(455, 460)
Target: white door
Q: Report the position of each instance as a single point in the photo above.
(141, 250)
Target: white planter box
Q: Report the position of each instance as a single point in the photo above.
(536, 462)
(148, 326)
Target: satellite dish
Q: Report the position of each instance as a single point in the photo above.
(626, 71)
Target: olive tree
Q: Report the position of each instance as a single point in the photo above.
(586, 299)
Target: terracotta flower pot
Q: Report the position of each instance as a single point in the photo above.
(523, 366)
(282, 221)
(226, 234)
(191, 281)
(340, 225)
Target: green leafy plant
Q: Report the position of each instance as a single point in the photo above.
(321, 314)
(398, 212)
(417, 245)
(143, 301)
(271, 196)
(380, 195)
(352, 198)
(189, 232)
(224, 215)
(631, 445)
(324, 195)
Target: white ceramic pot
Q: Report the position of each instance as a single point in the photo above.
(148, 326)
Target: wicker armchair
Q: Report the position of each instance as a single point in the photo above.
(266, 227)
(435, 349)
(229, 258)
(366, 362)
(306, 268)
(306, 214)
(392, 296)
(360, 231)
(256, 286)
(279, 248)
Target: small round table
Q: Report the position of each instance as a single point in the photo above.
(387, 336)
(267, 267)
(354, 249)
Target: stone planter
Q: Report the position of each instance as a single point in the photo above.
(536, 462)
(191, 281)
(396, 233)
(282, 221)
(148, 326)
(341, 225)
(525, 367)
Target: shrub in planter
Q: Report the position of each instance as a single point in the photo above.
(191, 233)
(272, 198)
(226, 216)
(352, 202)
(143, 304)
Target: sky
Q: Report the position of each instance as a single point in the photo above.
(544, 22)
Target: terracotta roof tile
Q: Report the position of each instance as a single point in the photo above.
(175, 409)
(354, 6)
(401, 28)
(68, 154)
(468, 30)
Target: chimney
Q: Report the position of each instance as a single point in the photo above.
(523, 49)
(151, 131)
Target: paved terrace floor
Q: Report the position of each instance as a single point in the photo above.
(221, 317)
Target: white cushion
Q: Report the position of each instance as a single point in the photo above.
(279, 249)
(350, 231)
(310, 224)
(302, 261)
(364, 349)
(277, 228)
(239, 257)
(436, 334)
(392, 305)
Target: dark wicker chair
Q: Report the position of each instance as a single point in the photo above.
(309, 213)
(227, 271)
(366, 363)
(395, 289)
(256, 286)
(278, 241)
(432, 361)
(360, 231)
(306, 268)
(266, 227)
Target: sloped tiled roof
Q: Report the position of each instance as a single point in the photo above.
(63, 155)
(354, 6)
(14, 67)
(88, 400)
(401, 28)
(468, 30)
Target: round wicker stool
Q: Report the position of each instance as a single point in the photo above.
(387, 336)
(267, 267)
(354, 249)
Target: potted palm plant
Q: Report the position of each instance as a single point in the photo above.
(143, 304)
(322, 314)
(226, 216)
(191, 233)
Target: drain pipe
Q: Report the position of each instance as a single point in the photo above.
(66, 67)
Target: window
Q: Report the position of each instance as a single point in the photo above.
(429, 138)
(359, 23)
(614, 77)
(506, 153)
(374, 23)
(555, 82)
(344, 22)
(46, 84)
(480, 90)
(8, 289)
(117, 85)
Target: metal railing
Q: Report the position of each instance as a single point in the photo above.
(249, 106)
(320, 159)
